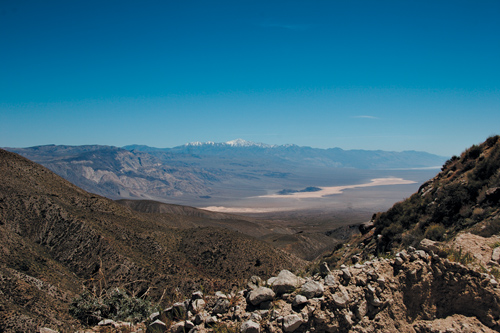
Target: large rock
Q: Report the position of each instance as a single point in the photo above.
(495, 256)
(330, 280)
(312, 289)
(250, 326)
(286, 282)
(428, 245)
(292, 322)
(221, 306)
(341, 297)
(197, 305)
(259, 295)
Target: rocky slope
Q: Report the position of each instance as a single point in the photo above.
(465, 195)
(57, 240)
(417, 292)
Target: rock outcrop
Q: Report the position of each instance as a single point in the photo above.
(416, 291)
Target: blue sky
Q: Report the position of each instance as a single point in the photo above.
(391, 75)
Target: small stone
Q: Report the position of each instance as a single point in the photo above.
(188, 325)
(47, 330)
(398, 261)
(220, 294)
(157, 326)
(154, 316)
(254, 282)
(197, 295)
(209, 321)
(177, 328)
(255, 317)
(271, 280)
(106, 322)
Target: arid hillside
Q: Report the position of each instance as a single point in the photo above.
(57, 240)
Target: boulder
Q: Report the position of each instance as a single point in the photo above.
(222, 306)
(341, 298)
(312, 289)
(259, 295)
(495, 256)
(292, 322)
(197, 305)
(286, 281)
(428, 245)
(250, 326)
(299, 300)
(330, 280)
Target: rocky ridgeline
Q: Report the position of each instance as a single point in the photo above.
(416, 291)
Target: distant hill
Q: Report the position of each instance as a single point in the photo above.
(57, 240)
(207, 174)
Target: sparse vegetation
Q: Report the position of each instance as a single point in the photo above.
(116, 304)
(435, 232)
(463, 194)
(461, 256)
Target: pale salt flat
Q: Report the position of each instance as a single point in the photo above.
(288, 205)
(339, 189)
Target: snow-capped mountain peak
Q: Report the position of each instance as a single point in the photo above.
(244, 143)
(237, 143)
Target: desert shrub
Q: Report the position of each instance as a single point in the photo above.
(435, 232)
(473, 152)
(116, 305)
(461, 256)
(492, 140)
(495, 272)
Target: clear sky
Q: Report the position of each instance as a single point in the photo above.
(392, 75)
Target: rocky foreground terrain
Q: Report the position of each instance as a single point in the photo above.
(416, 291)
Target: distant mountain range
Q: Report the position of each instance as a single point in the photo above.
(284, 154)
(198, 171)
